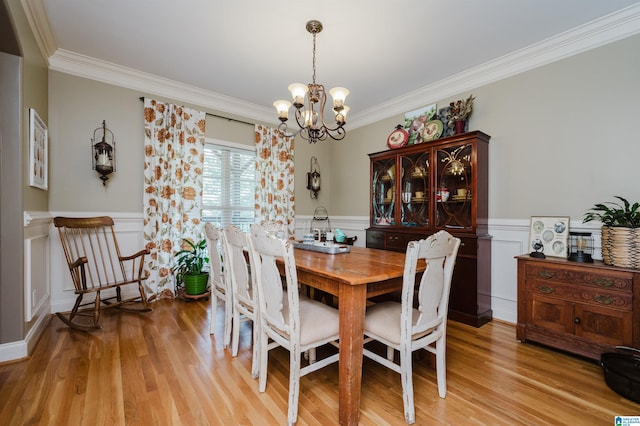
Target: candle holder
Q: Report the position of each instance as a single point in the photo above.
(580, 247)
(104, 152)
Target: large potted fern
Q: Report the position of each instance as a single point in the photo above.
(620, 232)
(191, 267)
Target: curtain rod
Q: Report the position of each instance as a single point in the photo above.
(219, 116)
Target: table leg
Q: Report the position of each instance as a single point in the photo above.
(352, 305)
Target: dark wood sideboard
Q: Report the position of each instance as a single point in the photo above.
(582, 308)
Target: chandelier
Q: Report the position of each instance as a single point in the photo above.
(309, 101)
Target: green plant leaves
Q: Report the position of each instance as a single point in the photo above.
(191, 261)
(615, 214)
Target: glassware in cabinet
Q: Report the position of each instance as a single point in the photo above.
(415, 189)
(383, 191)
(454, 197)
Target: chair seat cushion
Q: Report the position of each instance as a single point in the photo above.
(383, 320)
(317, 322)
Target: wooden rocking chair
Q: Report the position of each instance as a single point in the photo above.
(92, 253)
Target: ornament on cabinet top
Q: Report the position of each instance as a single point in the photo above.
(398, 138)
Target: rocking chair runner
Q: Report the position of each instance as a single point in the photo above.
(93, 256)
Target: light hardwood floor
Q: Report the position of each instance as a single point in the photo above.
(163, 368)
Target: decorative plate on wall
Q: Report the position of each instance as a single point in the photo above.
(398, 138)
(432, 130)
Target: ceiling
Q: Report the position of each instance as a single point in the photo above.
(241, 55)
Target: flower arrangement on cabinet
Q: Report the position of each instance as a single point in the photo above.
(459, 110)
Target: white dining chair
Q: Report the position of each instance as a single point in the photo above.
(219, 285)
(276, 228)
(279, 229)
(407, 328)
(244, 304)
(297, 325)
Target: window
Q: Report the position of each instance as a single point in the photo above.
(229, 185)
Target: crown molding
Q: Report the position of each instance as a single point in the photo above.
(615, 26)
(107, 72)
(37, 17)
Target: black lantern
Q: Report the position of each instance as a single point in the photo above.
(313, 178)
(580, 247)
(104, 152)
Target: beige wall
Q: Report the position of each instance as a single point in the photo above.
(34, 95)
(350, 171)
(79, 105)
(17, 196)
(563, 138)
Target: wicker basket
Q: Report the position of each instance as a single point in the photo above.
(621, 246)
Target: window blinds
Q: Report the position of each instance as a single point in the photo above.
(229, 186)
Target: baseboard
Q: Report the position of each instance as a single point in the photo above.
(15, 351)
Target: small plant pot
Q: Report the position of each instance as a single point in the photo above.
(196, 284)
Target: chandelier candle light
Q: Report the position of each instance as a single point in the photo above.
(310, 114)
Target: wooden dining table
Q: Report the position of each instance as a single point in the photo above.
(353, 277)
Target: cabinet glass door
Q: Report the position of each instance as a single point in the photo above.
(453, 187)
(415, 190)
(383, 191)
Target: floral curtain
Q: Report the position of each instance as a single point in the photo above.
(172, 201)
(275, 201)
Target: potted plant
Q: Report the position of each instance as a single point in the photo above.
(190, 267)
(620, 232)
(458, 113)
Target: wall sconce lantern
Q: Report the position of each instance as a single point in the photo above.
(580, 247)
(313, 178)
(104, 152)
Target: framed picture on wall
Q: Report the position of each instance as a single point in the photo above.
(38, 151)
(551, 233)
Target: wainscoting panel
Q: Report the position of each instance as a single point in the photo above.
(510, 239)
(36, 274)
(48, 286)
(36, 265)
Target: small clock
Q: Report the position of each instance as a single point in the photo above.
(398, 138)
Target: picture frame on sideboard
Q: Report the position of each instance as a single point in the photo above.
(550, 232)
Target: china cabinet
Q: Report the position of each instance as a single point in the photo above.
(583, 308)
(420, 189)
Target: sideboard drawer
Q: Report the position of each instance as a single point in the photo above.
(375, 239)
(390, 240)
(612, 280)
(582, 294)
(399, 242)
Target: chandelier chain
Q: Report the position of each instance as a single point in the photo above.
(314, 58)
